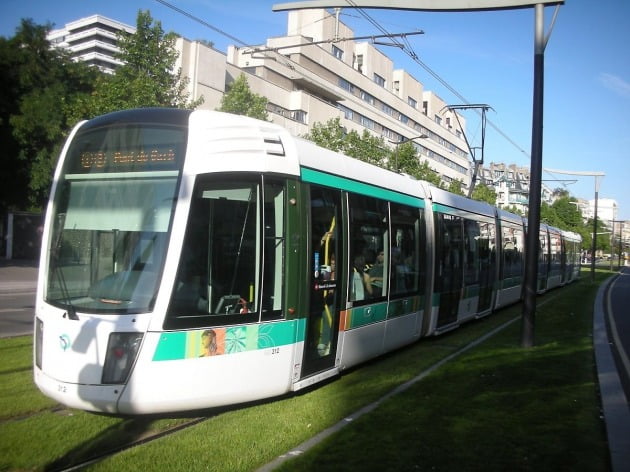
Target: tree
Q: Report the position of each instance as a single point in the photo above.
(147, 77)
(404, 158)
(365, 147)
(568, 213)
(428, 175)
(484, 193)
(41, 85)
(240, 100)
(329, 135)
(455, 186)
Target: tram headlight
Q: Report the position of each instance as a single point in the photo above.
(122, 349)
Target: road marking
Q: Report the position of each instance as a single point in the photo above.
(11, 310)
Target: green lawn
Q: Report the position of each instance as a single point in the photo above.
(495, 407)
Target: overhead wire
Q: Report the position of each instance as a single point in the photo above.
(412, 54)
(405, 47)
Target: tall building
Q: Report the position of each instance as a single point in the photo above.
(309, 77)
(92, 40)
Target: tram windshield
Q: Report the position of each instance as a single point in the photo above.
(112, 213)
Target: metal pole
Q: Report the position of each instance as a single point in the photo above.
(533, 218)
(620, 236)
(594, 246)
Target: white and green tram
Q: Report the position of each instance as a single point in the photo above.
(193, 259)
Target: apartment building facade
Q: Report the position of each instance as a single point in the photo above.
(313, 74)
(511, 184)
(316, 73)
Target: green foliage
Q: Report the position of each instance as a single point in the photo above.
(40, 87)
(45, 93)
(404, 158)
(514, 209)
(484, 193)
(329, 135)
(369, 148)
(146, 78)
(240, 100)
(455, 186)
(365, 147)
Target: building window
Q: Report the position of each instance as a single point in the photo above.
(388, 133)
(438, 119)
(344, 84)
(348, 114)
(338, 53)
(404, 118)
(298, 115)
(379, 80)
(412, 103)
(425, 108)
(366, 122)
(387, 109)
(366, 97)
(359, 63)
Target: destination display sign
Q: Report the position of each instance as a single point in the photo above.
(138, 148)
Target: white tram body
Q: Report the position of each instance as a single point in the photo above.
(199, 259)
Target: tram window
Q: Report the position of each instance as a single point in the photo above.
(512, 240)
(219, 275)
(405, 264)
(555, 249)
(471, 246)
(487, 248)
(274, 243)
(369, 248)
(449, 255)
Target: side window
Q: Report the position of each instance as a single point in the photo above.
(449, 256)
(369, 248)
(274, 245)
(219, 276)
(487, 248)
(512, 240)
(406, 259)
(471, 245)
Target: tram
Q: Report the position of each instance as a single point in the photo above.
(194, 259)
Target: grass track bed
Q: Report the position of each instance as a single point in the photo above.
(496, 407)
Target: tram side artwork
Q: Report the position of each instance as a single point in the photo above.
(194, 259)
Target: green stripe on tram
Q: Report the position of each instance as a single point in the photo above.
(179, 345)
(335, 181)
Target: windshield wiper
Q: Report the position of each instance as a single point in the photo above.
(71, 312)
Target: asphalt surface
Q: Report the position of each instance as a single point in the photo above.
(18, 285)
(611, 340)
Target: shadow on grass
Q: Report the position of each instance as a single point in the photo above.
(108, 441)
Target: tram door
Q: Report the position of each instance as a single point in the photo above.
(449, 264)
(325, 279)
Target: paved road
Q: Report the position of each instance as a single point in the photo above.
(611, 338)
(618, 320)
(18, 282)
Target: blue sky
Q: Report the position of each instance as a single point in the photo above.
(487, 57)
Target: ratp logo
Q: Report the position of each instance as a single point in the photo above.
(64, 342)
